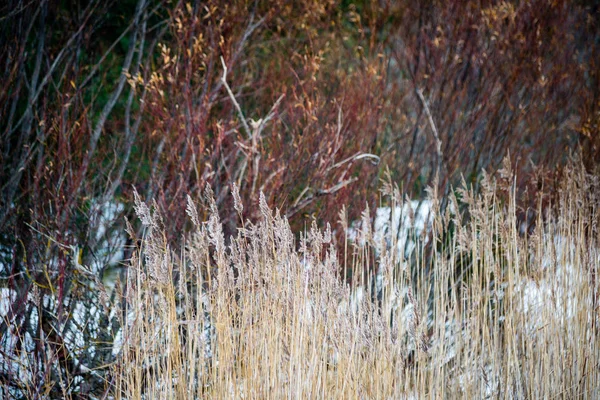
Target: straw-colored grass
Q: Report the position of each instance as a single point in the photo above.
(486, 311)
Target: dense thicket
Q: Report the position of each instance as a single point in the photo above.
(304, 101)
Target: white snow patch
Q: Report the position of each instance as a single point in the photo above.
(7, 297)
(111, 244)
(399, 227)
(557, 295)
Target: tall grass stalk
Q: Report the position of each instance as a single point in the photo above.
(485, 310)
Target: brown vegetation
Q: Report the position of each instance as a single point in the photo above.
(498, 316)
(309, 103)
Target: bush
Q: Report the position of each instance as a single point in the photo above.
(307, 103)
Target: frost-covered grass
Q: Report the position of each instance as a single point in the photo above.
(481, 311)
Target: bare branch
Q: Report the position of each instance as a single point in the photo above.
(131, 131)
(263, 122)
(438, 142)
(318, 193)
(234, 101)
(90, 10)
(358, 156)
(108, 107)
(247, 33)
(96, 66)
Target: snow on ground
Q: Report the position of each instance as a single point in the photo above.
(5, 257)
(402, 225)
(556, 294)
(84, 323)
(7, 297)
(111, 242)
(18, 363)
(553, 295)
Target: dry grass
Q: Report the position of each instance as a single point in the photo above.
(487, 311)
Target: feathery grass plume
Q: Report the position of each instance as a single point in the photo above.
(215, 228)
(490, 313)
(366, 234)
(264, 207)
(343, 219)
(192, 212)
(142, 210)
(237, 201)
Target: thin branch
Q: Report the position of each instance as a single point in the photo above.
(97, 66)
(358, 156)
(247, 33)
(91, 7)
(112, 101)
(234, 101)
(131, 131)
(263, 122)
(335, 188)
(318, 193)
(16, 11)
(257, 128)
(434, 130)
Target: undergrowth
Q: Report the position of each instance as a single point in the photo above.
(487, 311)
